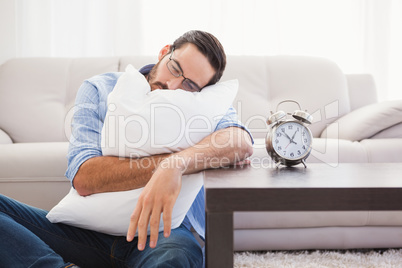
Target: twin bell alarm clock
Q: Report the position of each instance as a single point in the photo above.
(289, 140)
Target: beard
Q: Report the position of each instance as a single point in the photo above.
(152, 78)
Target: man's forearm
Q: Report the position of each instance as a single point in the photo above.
(222, 148)
(111, 174)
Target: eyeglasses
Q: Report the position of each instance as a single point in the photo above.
(175, 69)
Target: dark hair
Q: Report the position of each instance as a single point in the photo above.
(209, 46)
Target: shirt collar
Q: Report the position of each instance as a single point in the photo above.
(146, 69)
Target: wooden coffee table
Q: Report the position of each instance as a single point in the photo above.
(319, 187)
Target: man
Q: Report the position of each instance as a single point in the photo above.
(30, 240)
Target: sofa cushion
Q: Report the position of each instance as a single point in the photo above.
(383, 150)
(366, 121)
(330, 151)
(33, 173)
(32, 161)
(335, 151)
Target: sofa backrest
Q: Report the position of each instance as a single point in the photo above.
(37, 94)
(362, 90)
(317, 84)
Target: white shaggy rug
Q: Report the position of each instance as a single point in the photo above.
(325, 259)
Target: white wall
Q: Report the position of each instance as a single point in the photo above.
(7, 30)
(361, 36)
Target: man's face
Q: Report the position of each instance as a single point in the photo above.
(194, 64)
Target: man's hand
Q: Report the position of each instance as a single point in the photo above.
(233, 145)
(157, 197)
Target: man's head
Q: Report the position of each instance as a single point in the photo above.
(197, 57)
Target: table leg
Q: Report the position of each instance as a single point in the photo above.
(219, 240)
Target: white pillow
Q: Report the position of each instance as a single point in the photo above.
(110, 212)
(365, 122)
(141, 123)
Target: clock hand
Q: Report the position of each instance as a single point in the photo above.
(287, 136)
(291, 139)
(294, 134)
(288, 145)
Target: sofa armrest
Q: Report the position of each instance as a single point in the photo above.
(4, 138)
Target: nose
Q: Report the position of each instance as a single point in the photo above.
(174, 83)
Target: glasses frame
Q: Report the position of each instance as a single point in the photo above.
(186, 83)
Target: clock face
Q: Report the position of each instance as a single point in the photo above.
(291, 140)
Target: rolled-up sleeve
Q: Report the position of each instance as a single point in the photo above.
(89, 114)
(86, 129)
(230, 120)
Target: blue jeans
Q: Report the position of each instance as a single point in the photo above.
(28, 239)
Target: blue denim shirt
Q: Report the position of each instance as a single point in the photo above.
(85, 142)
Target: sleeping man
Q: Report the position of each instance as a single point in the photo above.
(139, 123)
(195, 61)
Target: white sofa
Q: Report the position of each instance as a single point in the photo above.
(37, 94)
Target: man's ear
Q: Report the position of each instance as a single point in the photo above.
(165, 50)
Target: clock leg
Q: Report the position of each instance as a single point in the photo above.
(277, 164)
(304, 163)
